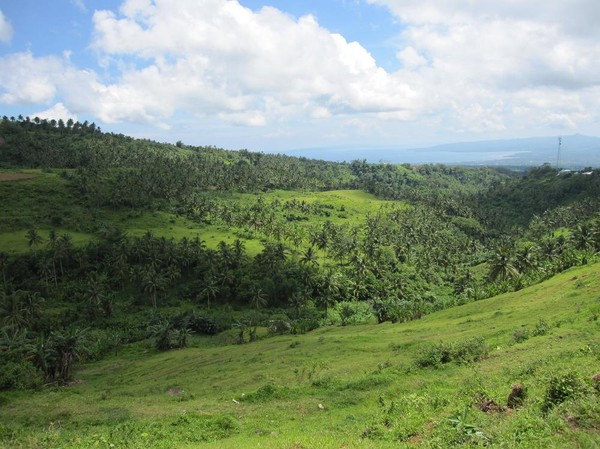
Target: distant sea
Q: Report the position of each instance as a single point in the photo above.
(576, 151)
(410, 156)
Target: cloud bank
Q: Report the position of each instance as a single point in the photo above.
(473, 67)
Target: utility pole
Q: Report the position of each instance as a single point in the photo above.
(558, 154)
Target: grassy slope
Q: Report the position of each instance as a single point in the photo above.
(351, 371)
(47, 202)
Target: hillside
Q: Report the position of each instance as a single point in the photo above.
(357, 386)
(294, 283)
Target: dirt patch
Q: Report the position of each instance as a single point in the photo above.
(16, 176)
(489, 406)
(174, 392)
(516, 397)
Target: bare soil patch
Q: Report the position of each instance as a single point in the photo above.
(16, 176)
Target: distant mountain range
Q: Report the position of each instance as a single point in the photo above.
(577, 151)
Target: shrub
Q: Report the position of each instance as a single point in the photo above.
(198, 324)
(517, 396)
(349, 312)
(21, 375)
(561, 388)
(346, 313)
(471, 350)
(169, 337)
(279, 324)
(467, 351)
(434, 355)
(265, 393)
(541, 328)
(520, 335)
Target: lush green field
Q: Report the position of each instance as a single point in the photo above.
(345, 387)
(47, 202)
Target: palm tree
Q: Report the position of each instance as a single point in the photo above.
(34, 238)
(32, 305)
(297, 301)
(94, 294)
(309, 257)
(210, 290)
(330, 289)
(68, 347)
(13, 314)
(502, 265)
(64, 247)
(583, 237)
(258, 299)
(526, 257)
(152, 283)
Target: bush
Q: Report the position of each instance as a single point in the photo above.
(200, 324)
(279, 325)
(467, 351)
(561, 388)
(471, 350)
(520, 335)
(265, 393)
(434, 355)
(21, 375)
(349, 312)
(541, 328)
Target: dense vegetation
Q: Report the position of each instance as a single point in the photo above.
(106, 241)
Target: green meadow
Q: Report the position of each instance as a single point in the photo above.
(48, 203)
(344, 387)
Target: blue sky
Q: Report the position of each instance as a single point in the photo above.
(292, 74)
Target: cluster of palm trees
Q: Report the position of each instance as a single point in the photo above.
(530, 261)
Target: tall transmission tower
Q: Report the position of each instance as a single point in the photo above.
(558, 153)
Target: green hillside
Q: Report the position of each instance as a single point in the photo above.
(157, 295)
(357, 386)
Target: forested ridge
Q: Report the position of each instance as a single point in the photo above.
(395, 243)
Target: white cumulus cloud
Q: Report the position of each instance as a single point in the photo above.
(29, 80)
(56, 112)
(467, 67)
(6, 30)
(525, 56)
(218, 57)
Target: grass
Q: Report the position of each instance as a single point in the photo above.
(339, 387)
(48, 202)
(17, 242)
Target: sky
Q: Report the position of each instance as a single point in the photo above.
(281, 75)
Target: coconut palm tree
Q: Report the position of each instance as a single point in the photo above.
(68, 347)
(210, 290)
(309, 257)
(502, 264)
(152, 283)
(13, 314)
(34, 238)
(258, 299)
